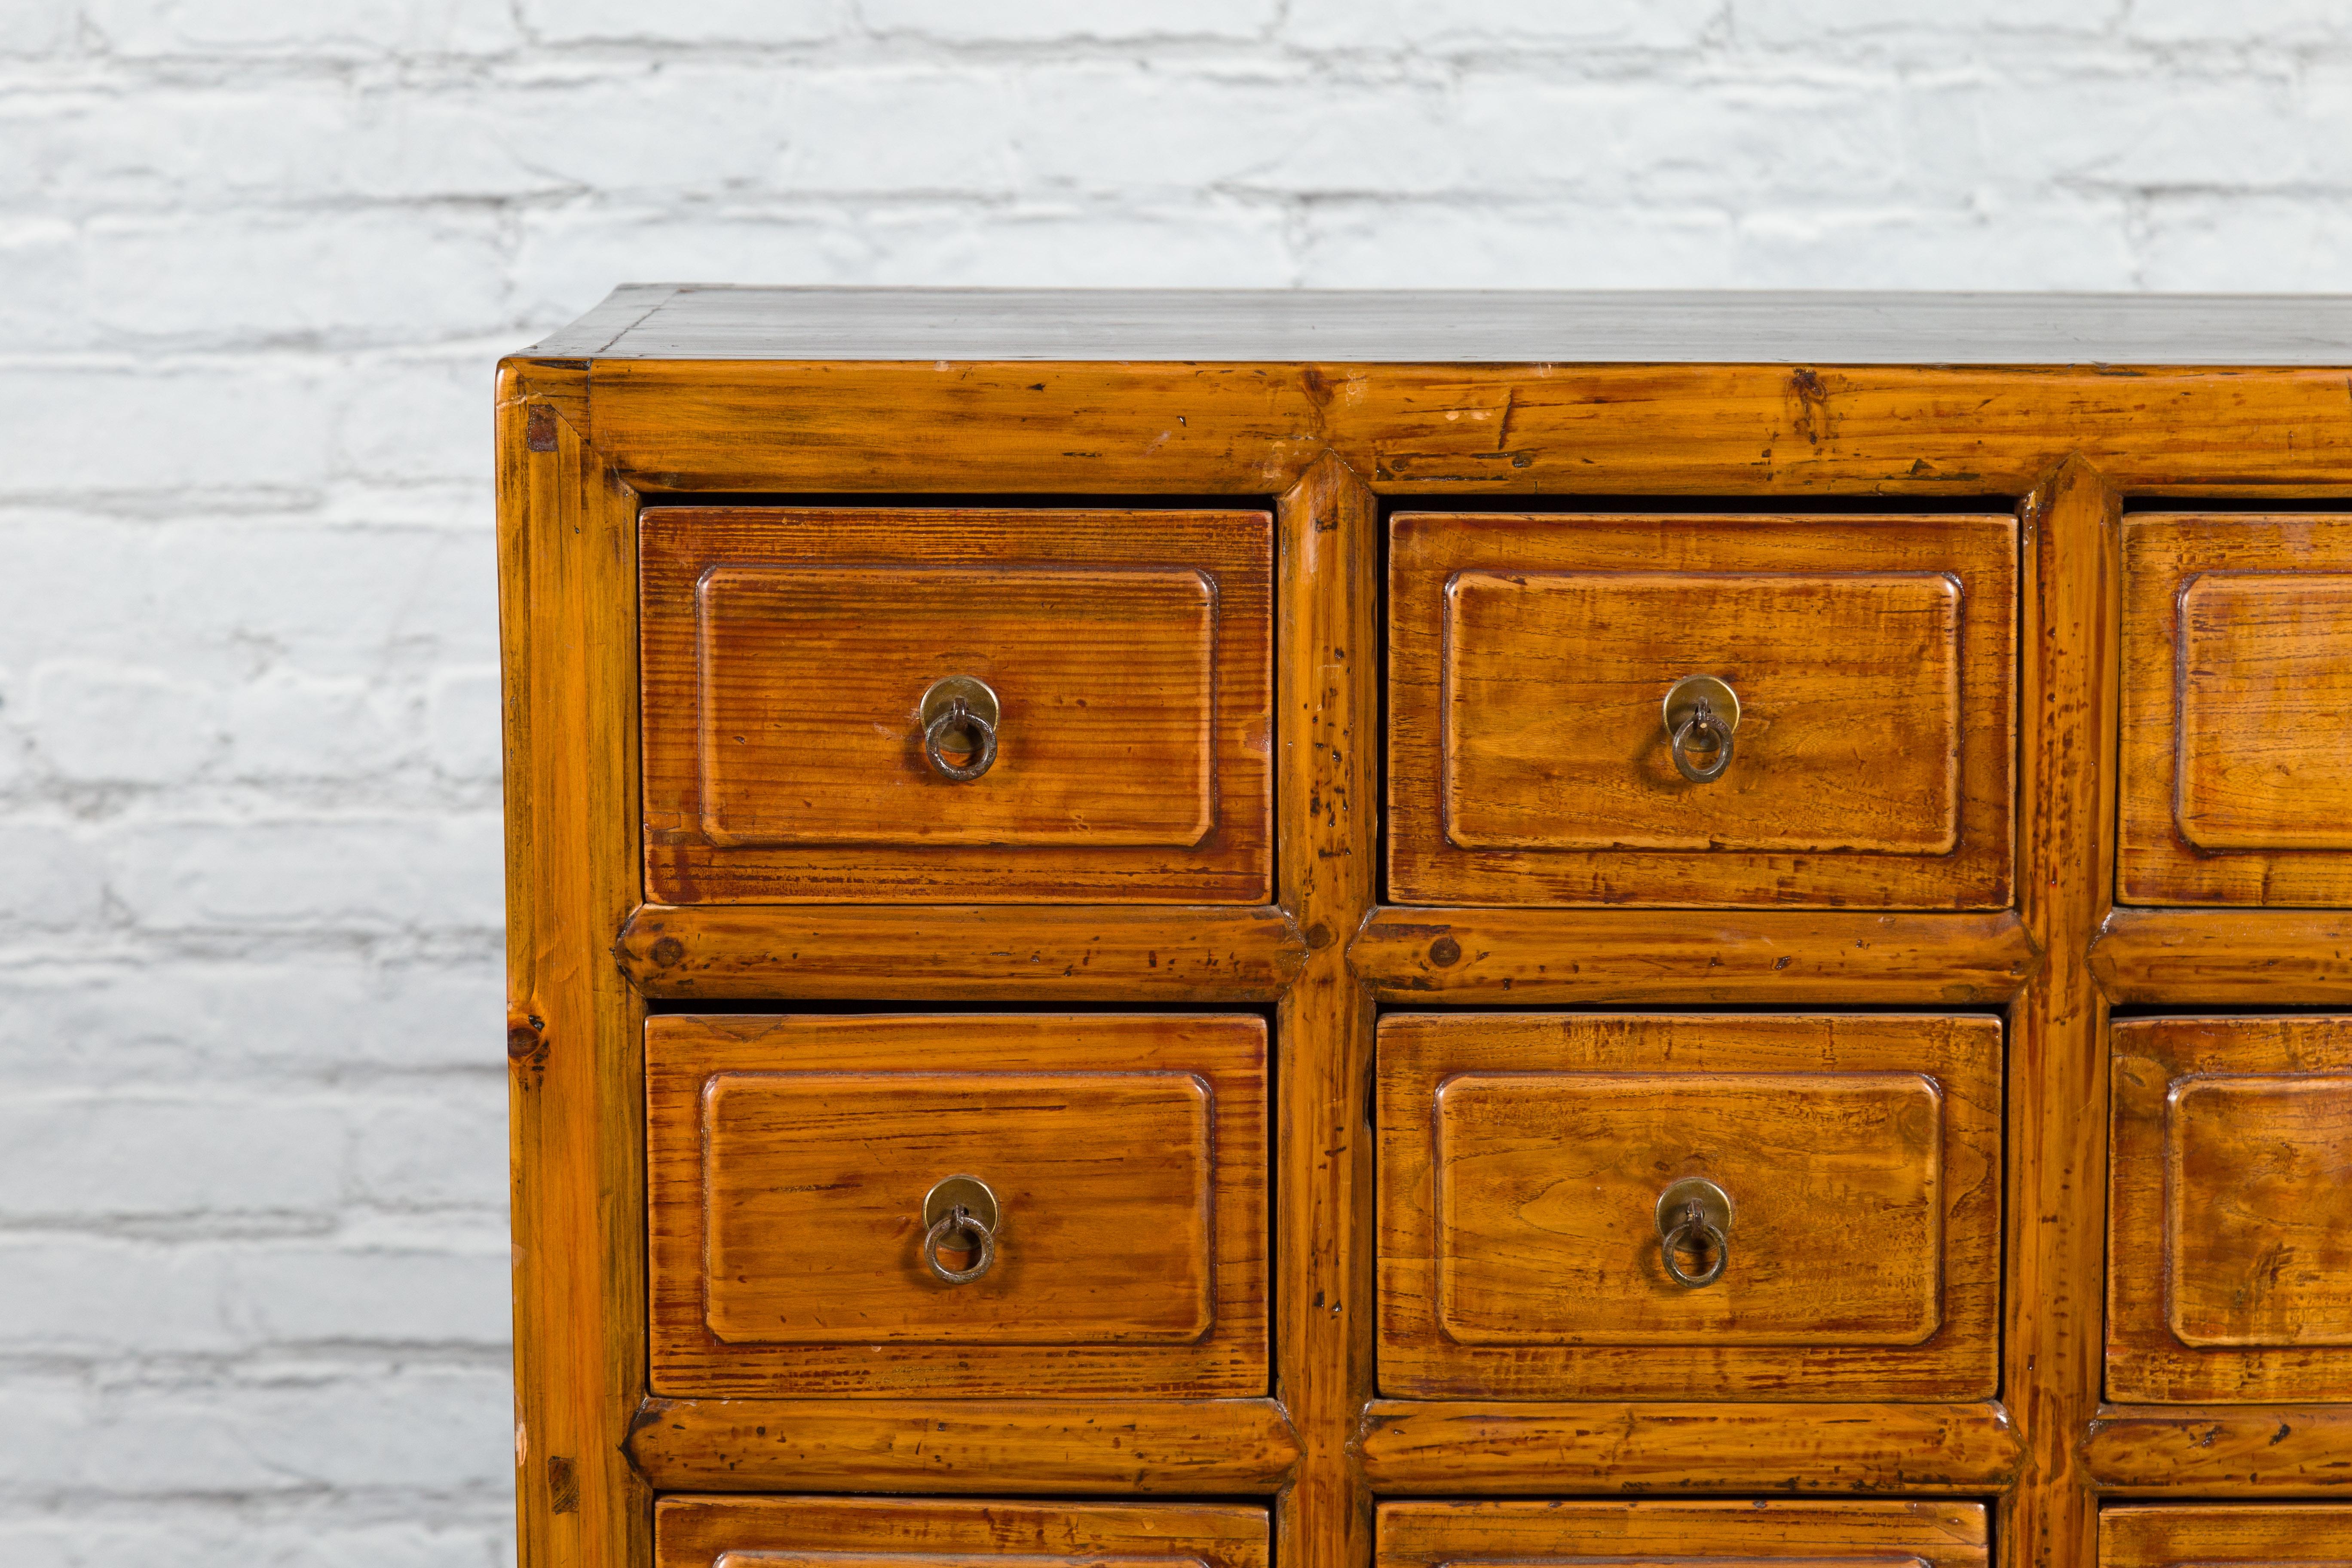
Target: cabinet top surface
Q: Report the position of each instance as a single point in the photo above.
(691, 322)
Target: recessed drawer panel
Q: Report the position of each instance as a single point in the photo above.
(2229, 1239)
(1547, 746)
(1883, 1534)
(978, 705)
(2237, 673)
(806, 1175)
(1671, 1207)
(910, 1533)
(2143, 1535)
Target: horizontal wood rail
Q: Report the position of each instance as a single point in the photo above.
(1197, 1447)
(2221, 958)
(1684, 957)
(1516, 1450)
(1130, 952)
(2269, 1450)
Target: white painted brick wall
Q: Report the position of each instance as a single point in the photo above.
(255, 259)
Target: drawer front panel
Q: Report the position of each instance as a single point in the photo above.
(2141, 1535)
(1105, 682)
(2230, 1252)
(1719, 1534)
(895, 1532)
(1526, 1228)
(801, 669)
(1535, 666)
(807, 1187)
(792, 1164)
(2237, 672)
(1554, 739)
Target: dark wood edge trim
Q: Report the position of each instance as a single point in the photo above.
(1687, 957)
(1413, 1448)
(2224, 957)
(2244, 1450)
(1152, 952)
(955, 1446)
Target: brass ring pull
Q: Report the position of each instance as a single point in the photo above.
(959, 1219)
(960, 702)
(1701, 707)
(1695, 1213)
(964, 1208)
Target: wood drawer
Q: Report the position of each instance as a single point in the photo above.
(1530, 662)
(907, 1532)
(788, 655)
(2170, 1535)
(2230, 1221)
(790, 1161)
(1523, 1160)
(2237, 661)
(1636, 1534)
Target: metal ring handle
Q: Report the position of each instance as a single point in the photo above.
(1702, 722)
(957, 713)
(958, 1219)
(1695, 1225)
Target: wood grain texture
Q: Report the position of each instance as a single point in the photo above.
(1519, 1250)
(2260, 1536)
(2225, 957)
(770, 1532)
(2237, 665)
(1850, 711)
(2229, 1211)
(1893, 1534)
(2057, 1040)
(1508, 326)
(1539, 1449)
(1108, 1281)
(566, 570)
(1529, 657)
(1326, 802)
(1202, 1447)
(1106, 735)
(1680, 957)
(2226, 1451)
(1252, 430)
(977, 953)
(787, 652)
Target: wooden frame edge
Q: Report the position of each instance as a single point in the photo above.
(1692, 957)
(1499, 1449)
(2221, 1451)
(2224, 957)
(1197, 1447)
(1033, 952)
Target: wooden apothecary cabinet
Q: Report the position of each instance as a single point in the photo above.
(1214, 930)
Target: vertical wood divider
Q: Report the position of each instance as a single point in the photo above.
(2054, 1309)
(1327, 813)
(567, 536)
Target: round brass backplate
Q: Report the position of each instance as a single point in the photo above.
(979, 701)
(970, 1192)
(1683, 699)
(1674, 1205)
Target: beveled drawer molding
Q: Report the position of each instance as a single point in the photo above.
(2237, 659)
(802, 1245)
(802, 741)
(1858, 749)
(2258, 1535)
(895, 1533)
(1533, 1245)
(2230, 1232)
(1736, 1534)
